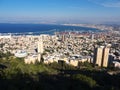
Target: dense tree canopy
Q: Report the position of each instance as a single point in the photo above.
(16, 75)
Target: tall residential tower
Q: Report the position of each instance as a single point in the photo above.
(101, 56)
(40, 48)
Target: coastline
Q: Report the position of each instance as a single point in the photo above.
(41, 28)
(95, 26)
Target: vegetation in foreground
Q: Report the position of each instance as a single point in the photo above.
(15, 75)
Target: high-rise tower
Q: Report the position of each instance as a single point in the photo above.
(98, 56)
(101, 55)
(40, 48)
(105, 57)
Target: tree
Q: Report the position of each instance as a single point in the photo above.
(85, 80)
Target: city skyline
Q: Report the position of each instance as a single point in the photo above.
(59, 11)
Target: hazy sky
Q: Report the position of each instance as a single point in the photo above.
(59, 11)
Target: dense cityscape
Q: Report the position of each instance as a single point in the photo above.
(68, 50)
(72, 47)
(59, 44)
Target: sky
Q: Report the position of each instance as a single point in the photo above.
(59, 11)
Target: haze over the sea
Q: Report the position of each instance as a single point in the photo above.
(59, 11)
(41, 28)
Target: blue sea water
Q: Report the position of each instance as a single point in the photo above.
(41, 28)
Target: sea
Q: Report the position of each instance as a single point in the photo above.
(37, 29)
